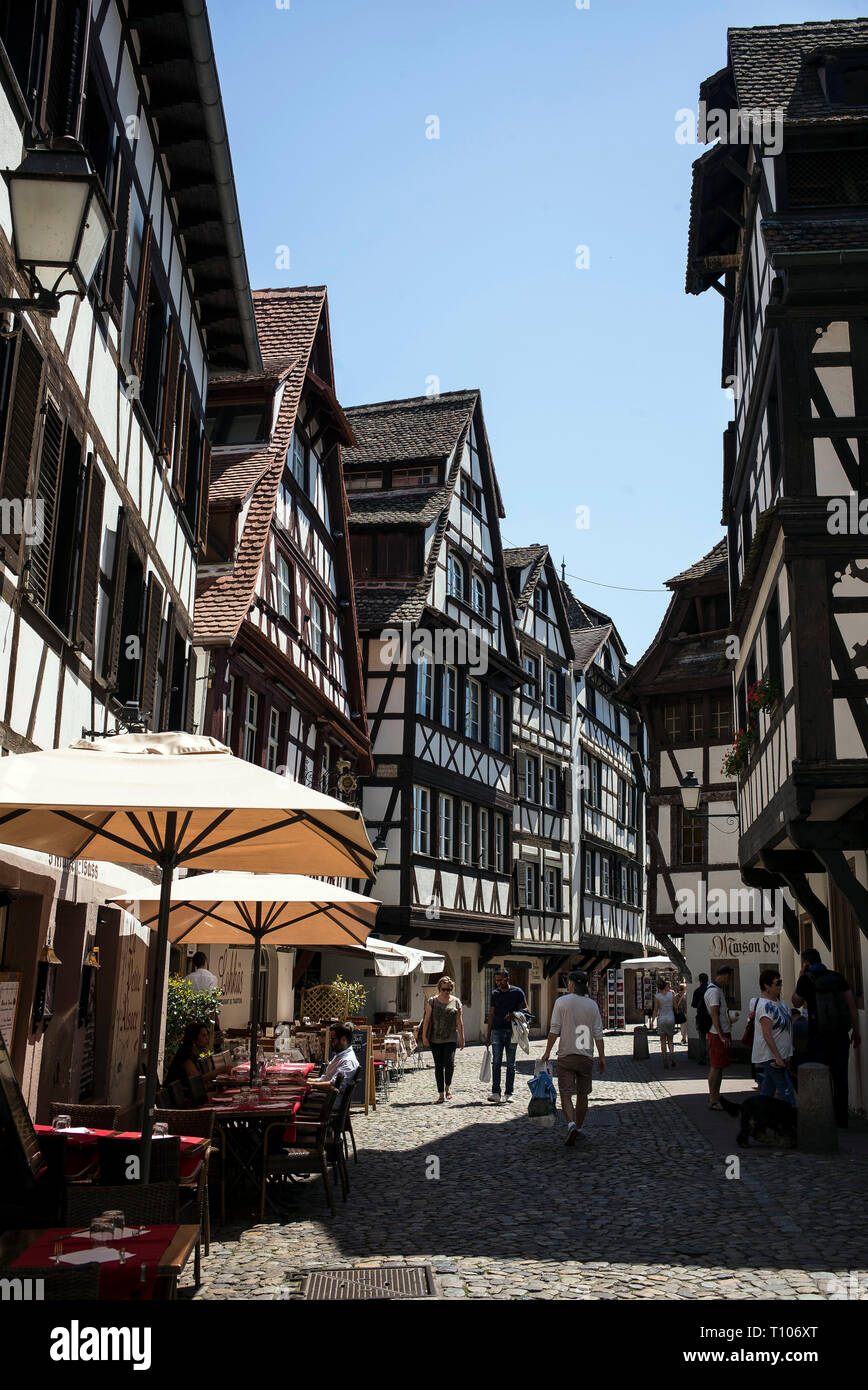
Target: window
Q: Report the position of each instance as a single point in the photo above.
(589, 873)
(596, 783)
(499, 843)
(692, 838)
(251, 725)
(425, 476)
(483, 838)
(634, 804)
(635, 881)
(591, 700)
(622, 800)
(625, 884)
(495, 730)
(316, 626)
(695, 722)
(721, 717)
(284, 589)
(531, 666)
(230, 711)
(425, 689)
(446, 835)
(552, 692)
(527, 885)
(295, 458)
(237, 424)
(421, 820)
(541, 599)
(466, 981)
(273, 747)
(363, 482)
(471, 493)
(672, 719)
(553, 890)
(604, 875)
(531, 779)
(773, 643)
(473, 704)
(386, 554)
(466, 833)
(552, 779)
(449, 704)
(454, 576)
(325, 768)
(480, 596)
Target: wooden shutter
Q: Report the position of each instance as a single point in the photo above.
(153, 625)
(521, 884)
(91, 546)
(190, 694)
(63, 92)
(119, 581)
(24, 401)
(204, 480)
(116, 278)
(168, 672)
(45, 494)
(170, 396)
(140, 318)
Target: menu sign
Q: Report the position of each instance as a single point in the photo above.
(19, 1147)
(10, 986)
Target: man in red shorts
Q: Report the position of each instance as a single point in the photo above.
(720, 1034)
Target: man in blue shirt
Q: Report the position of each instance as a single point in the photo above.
(506, 1000)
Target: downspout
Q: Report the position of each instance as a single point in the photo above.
(208, 84)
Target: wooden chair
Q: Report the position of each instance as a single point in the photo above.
(308, 1155)
(63, 1284)
(144, 1204)
(336, 1140)
(115, 1153)
(91, 1116)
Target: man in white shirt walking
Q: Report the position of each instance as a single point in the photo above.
(720, 1034)
(577, 1024)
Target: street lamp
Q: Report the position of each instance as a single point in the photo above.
(381, 850)
(691, 796)
(60, 224)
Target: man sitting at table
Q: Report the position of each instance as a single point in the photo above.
(341, 1070)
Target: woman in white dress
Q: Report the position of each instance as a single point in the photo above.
(664, 1012)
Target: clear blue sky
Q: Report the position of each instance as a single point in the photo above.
(456, 257)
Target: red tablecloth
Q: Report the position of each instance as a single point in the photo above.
(116, 1281)
(267, 1110)
(192, 1148)
(299, 1069)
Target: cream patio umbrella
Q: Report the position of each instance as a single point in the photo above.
(278, 909)
(171, 799)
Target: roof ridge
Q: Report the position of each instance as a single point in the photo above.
(407, 401)
(291, 289)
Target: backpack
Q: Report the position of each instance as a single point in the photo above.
(703, 1017)
(833, 1011)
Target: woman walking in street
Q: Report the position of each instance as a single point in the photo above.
(664, 1012)
(443, 1031)
(773, 1040)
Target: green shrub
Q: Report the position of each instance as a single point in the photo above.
(184, 1005)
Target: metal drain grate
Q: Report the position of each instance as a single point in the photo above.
(387, 1281)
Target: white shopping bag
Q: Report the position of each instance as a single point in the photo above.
(539, 1065)
(485, 1069)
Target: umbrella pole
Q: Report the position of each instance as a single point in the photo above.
(254, 1002)
(155, 1014)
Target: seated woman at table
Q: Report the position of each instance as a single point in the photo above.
(341, 1070)
(196, 1039)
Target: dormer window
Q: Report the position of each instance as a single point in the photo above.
(405, 478)
(237, 424)
(844, 77)
(363, 482)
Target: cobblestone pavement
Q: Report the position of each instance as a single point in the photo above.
(644, 1210)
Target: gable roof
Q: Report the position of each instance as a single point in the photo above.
(698, 657)
(714, 562)
(422, 427)
(775, 65)
(587, 642)
(518, 558)
(234, 475)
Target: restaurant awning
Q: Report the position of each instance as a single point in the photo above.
(390, 959)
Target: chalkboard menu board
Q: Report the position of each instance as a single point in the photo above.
(363, 1091)
(20, 1159)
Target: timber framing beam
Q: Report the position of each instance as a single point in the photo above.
(802, 891)
(842, 875)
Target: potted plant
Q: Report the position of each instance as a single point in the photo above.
(356, 993)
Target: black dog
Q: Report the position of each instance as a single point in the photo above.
(765, 1119)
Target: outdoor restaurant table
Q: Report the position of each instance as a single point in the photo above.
(163, 1250)
(243, 1127)
(81, 1148)
(291, 1069)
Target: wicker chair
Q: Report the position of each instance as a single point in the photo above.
(91, 1116)
(154, 1204)
(114, 1154)
(195, 1123)
(59, 1285)
(336, 1140)
(303, 1158)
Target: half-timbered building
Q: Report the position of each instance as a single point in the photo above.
(698, 909)
(778, 227)
(435, 615)
(608, 867)
(542, 773)
(104, 468)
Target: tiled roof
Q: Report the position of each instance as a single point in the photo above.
(397, 508)
(278, 368)
(712, 563)
(587, 641)
(772, 66)
(287, 322)
(516, 560)
(233, 475)
(784, 235)
(698, 658)
(380, 605)
(425, 427)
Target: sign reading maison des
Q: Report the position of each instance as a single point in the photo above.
(725, 945)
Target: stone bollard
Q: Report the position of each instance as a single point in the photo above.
(815, 1117)
(640, 1043)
